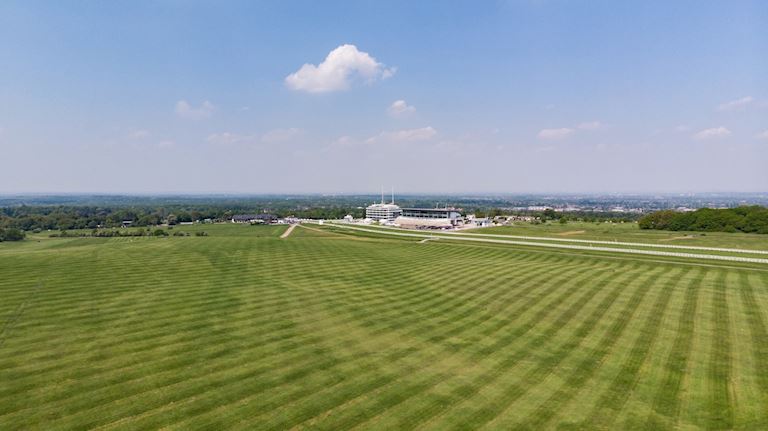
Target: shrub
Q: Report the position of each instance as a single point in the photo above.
(11, 235)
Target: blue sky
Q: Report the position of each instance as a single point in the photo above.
(520, 96)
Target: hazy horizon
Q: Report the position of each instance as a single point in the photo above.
(529, 97)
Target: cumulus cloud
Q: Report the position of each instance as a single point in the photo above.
(405, 135)
(763, 135)
(342, 65)
(185, 110)
(555, 134)
(736, 104)
(715, 132)
(590, 125)
(280, 135)
(400, 108)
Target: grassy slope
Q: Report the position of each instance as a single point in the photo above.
(242, 329)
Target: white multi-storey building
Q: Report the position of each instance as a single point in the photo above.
(383, 212)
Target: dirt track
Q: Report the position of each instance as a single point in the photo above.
(288, 231)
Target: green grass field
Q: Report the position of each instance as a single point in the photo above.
(334, 330)
(629, 232)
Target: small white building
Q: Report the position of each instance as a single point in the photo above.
(348, 218)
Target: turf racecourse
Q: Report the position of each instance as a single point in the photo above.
(337, 330)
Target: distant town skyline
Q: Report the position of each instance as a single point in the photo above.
(341, 97)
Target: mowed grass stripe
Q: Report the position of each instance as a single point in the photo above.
(758, 332)
(303, 391)
(422, 383)
(419, 319)
(139, 335)
(612, 401)
(512, 391)
(487, 372)
(668, 396)
(719, 411)
(586, 367)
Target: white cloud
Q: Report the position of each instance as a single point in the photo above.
(400, 108)
(185, 110)
(736, 104)
(139, 134)
(343, 141)
(763, 135)
(715, 132)
(590, 125)
(227, 138)
(271, 137)
(421, 134)
(280, 135)
(166, 143)
(405, 135)
(336, 72)
(555, 134)
(682, 128)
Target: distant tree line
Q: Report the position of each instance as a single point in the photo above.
(749, 219)
(32, 217)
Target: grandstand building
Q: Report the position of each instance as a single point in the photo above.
(444, 213)
(430, 218)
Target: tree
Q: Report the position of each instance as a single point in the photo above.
(742, 219)
(11, 235)
(548, 214)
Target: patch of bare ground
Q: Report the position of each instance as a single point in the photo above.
(572, 232)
